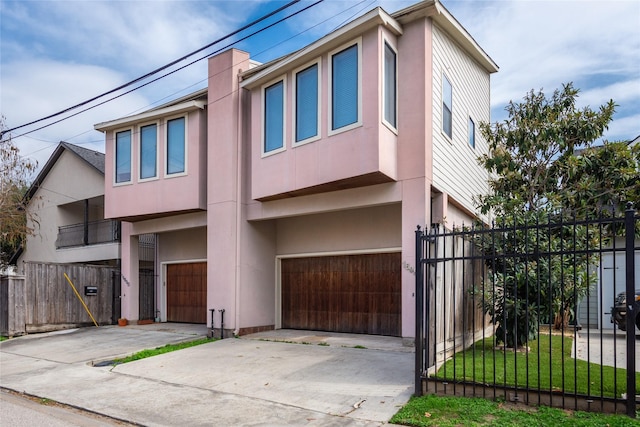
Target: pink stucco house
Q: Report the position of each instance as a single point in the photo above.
(288, 193)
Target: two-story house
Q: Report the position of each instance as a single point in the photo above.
(287, 194)
(66, 212)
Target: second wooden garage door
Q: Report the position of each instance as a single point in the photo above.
(187, 292)
(353, 293)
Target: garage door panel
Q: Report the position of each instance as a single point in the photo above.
(187, 293)
(354, 293)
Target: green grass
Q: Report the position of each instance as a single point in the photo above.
(557, 370)
(161, 350)
(467, 411)
(3, 338)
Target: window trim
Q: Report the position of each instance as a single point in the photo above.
(157, 175)
(358, 42)
(294, 103)
(391, 126)
(115, 156)
(263, 110)
(471, 133)
(166, 146)
(442, 129)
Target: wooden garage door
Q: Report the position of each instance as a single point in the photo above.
(187, 293)
(353, 293)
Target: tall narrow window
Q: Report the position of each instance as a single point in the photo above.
(123, 156)
(390, 85)
(307, 103)
(148, 151)
(274, 117)
(472, 133)
(344, 87)
(176, 146)
(447, 106)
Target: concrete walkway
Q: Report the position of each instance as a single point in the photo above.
(607, 347)
(256, 380)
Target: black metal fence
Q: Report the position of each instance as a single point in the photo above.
(497, 312)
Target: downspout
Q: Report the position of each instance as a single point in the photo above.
(85, 235)
(238, 202)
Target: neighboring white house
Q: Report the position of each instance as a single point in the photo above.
(66, 206)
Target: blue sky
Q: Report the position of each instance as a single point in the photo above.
(54, 54)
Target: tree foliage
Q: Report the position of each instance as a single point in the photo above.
(15, 172)
(530, 152)
(543, 164)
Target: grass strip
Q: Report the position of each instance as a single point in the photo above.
(161, 350)
(448, 411)
(547, 365)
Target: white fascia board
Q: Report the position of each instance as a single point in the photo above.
(174, 109)
(353, 29)
(439, 14)
(451, 25)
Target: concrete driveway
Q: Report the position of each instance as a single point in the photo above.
(311, 379)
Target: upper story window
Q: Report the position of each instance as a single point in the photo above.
(472, 133)
(148, 151)
(390, 86)
(123, 157)
(273, 132)
(447, 109)
(345, 87)
(176, 147)
(307, 89)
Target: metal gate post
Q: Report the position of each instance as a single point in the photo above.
(629, 229)
(419, 315)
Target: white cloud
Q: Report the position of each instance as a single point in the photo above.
(55, 54)
(540, 45)
(38, 88)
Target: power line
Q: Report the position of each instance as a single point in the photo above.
(156, 71)
(162, 76)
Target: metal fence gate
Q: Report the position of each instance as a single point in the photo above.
(496, 312)
(116, 306)
(147, 277)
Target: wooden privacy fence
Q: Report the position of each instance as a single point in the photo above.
(43, 300)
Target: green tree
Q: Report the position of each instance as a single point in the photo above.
(543, 163)
(14, 174)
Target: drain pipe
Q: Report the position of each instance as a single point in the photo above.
(221, 323)
(212, 310)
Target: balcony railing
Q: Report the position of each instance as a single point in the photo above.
(91, 233)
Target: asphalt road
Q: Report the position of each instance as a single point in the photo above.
(18, 410)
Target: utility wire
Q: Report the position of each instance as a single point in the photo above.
(156, 71)
(164, 75)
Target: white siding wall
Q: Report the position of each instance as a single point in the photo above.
(455, 169)
(71, 180)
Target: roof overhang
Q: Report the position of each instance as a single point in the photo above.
(151, 114)
(254, 77)
(440, 15)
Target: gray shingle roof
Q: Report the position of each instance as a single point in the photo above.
(94, 158)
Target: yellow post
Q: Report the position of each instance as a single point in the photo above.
(80, 298)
